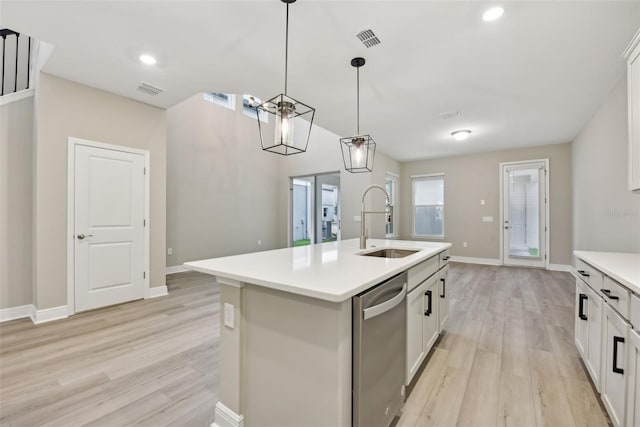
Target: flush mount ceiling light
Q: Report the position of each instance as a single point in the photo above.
(358, 151)
(461, 135)
(493, 14)
(147, 59)
(289, 139)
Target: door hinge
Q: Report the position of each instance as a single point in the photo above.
(545, 228)
(144, 222)
(144, 171)
(545, 256)
(144, 274)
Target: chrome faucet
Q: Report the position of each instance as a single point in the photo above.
(388, 213)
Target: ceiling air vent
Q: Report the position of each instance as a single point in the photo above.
(447, 115)
(368, 38)
(149, 90)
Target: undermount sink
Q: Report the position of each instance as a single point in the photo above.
(391, 253)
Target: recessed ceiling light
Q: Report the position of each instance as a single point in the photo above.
(461, 135)
(493, 14)
(147, 59)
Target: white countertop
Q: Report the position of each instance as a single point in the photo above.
(622, 267)
(329, 271)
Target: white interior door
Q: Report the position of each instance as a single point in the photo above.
(524, 198)
(109, 221)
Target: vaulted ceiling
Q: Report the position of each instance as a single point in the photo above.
(533, 77)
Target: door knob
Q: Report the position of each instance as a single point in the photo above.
(506, 227)
(82, 236)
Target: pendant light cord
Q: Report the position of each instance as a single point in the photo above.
(286, 51)
(358, 99)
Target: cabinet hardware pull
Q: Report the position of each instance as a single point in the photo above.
(617, 340)
(607, 293)
(428, 311)
(444, 286)
(581, 314)
(446, 258)
(583, 273)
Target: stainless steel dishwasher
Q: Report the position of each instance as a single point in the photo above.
(379, 348)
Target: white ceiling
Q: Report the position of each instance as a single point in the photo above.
(534, 77)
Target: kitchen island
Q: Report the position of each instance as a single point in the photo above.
(286, 334)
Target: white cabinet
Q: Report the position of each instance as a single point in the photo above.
(415, 313)
(581, 319)
(422, 323)
(593, 355)
(632, 55)
(431, 324)
(614, 374)
(443, 298)
(633, 388)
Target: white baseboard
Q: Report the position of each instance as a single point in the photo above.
(157, 291)
(177, 269)
(49, 314)
(473, 260)
(14, 313)
(560, 267)
(225, 417)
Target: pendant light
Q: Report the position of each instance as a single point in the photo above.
(293, 119)
(358, 152)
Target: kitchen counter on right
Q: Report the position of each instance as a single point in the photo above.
(622, 267)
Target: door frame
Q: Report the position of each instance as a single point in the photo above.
(547, 204)
(71, 175)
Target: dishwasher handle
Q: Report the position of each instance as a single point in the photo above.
(376, 310)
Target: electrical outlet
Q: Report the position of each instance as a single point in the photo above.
(259, 242)
(487, 219)
(169, 251)
(357, 218)
(482, 202)
(464, 244)
(228, 315)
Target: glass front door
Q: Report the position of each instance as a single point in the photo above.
(524, 198)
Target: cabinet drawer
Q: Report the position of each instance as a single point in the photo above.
(422, 271)
(616, 295)
(444, 258)
(635, 312)
(590, 275)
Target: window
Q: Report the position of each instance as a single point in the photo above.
(428, 205)
(249, 104)
(227, 100)
(391, 185)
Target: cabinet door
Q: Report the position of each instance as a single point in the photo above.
(430, 323)
(415, 313)
(443, 298)
(633, 389)
(582, 318)
(614, 373)
(593, 353)
(633, 87)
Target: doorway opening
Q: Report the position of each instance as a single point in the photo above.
(524, 213)
(315, 209)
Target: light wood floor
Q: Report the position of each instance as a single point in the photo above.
(507, 359)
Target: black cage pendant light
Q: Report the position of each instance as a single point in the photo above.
(359, 151)
(293, 118)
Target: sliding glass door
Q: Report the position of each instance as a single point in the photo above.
(315, 209)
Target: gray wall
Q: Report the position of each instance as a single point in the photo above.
(16, 180)
(221, 187)
(469, 179)
(606, 215)
(67, 109)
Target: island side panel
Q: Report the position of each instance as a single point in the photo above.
(297, 360)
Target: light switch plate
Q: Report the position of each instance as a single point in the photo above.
(487, 219)
(228, 315)
(357, 218)
(482, 202)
